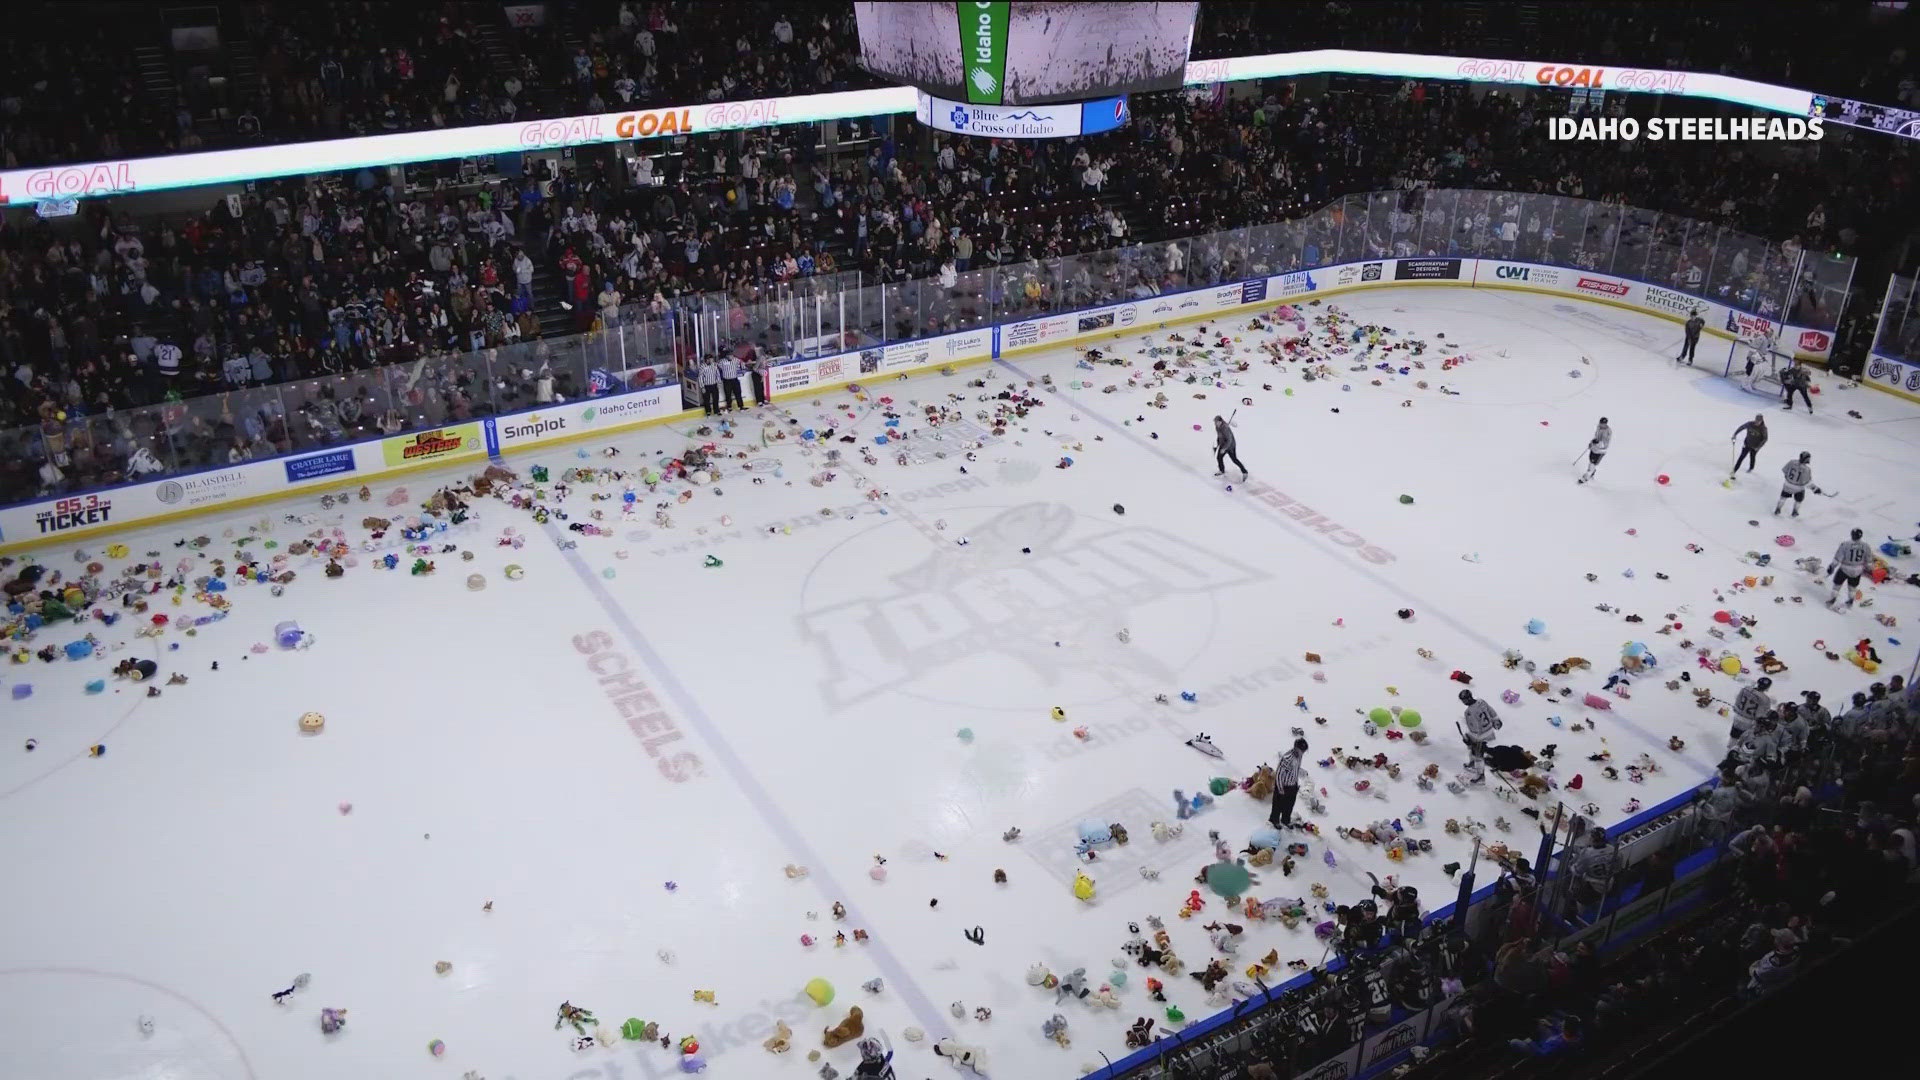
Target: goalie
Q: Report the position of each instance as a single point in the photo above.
(1759, 353)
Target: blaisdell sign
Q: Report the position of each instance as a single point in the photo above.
(200, 489)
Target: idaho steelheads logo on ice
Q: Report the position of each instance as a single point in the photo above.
(969, 617)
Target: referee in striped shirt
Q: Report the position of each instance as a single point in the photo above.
(1286, 785)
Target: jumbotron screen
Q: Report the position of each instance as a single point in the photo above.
(1026, 53)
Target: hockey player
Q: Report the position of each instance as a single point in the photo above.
(1797, 477)
(1723, 804)
(1755, 431)
(1481, 722)
(1848, 566)
(1750, 706)
(1762, 746)
(1225, 447)
(1597, 448)
(1759, 348)
(1796, 731)
(1796, 380)
(1694, 324)
(1818, 719)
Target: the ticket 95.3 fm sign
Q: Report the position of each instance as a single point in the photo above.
(78, 512)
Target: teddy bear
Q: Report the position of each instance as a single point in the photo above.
(1259, 786)
(782, 1039)
(1215, 972)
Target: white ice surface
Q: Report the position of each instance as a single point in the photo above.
(817, 680)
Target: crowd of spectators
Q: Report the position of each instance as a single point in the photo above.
(308, 278)
(1820, 848)
(316, 279)
(338, 67)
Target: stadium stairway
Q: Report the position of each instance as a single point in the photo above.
(491, 32)
(549, 298)
(155, 75)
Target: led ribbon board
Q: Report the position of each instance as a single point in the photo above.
(96, 179)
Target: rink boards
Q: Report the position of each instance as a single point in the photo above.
(82, 516)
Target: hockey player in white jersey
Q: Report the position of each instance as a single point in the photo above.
(1597, 448)
(1849, 565)
(1481, 722)
(1798, 476)
(1750, 706)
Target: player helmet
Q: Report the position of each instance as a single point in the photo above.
(1857, 534)
(1805, 456)
(1466, 697)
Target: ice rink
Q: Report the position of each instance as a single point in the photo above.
(620, 751)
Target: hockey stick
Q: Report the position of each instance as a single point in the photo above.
(1828, 494)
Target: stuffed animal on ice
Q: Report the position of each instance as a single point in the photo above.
(1073, 985)
(1864, 656)
(1093, 835)
(1082, 886)
(1055, 1028)
(1260, 784)
(1187, 807)
(973, 1057)
(846, 1030)
(569, 1013)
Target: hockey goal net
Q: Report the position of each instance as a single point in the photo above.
(1756, 363)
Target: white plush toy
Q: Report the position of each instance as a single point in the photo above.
(973, 1057)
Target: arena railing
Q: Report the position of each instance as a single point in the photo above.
(1894, 361)
(807, 317)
